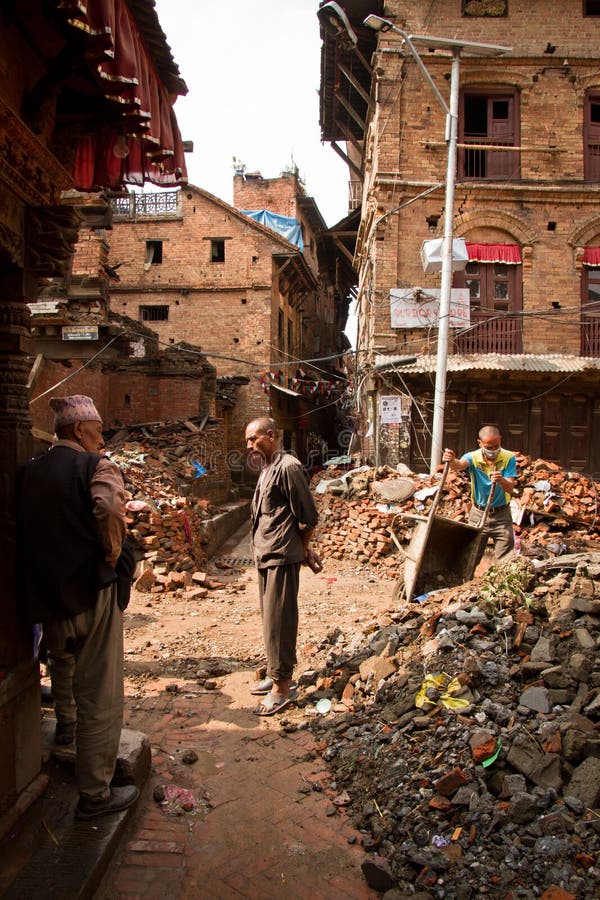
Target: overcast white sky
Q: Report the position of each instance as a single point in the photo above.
(252, 68)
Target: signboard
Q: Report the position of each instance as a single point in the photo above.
(390, 409)
(418, 308)
(43, 307)
(80, 333)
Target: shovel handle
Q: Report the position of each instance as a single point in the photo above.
(438, 495)
(487, 505)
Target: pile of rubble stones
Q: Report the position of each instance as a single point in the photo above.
(159, 465)
(464, 736)
(368, 514)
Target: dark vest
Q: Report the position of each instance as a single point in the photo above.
(61, 563)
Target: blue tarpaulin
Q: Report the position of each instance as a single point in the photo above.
(286, 226)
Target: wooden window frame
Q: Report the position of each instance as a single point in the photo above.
(149, 313)
(591, 137)
(493, 329)
(590, 314)
(480, 164)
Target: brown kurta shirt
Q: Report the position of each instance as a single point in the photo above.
(282, 502)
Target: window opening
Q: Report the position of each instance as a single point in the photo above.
(495, 298)
(485, 8)
(590, 313)
(591, 7)
(488, 119)
(154, 254)
(154, 313)
(591, 132)
(217, 251)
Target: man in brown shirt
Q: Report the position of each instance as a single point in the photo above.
(283, 516)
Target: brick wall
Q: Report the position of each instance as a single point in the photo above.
(229, 309)
(120, 397)
(278, 195)
(547, 209)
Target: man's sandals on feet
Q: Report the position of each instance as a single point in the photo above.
(273, 703)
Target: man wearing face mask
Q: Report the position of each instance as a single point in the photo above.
(490, 466)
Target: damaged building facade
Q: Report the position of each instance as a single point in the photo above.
(260, 286)
(526, 352)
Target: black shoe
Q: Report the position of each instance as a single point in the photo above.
(65, 733)
(119, 798)
(46, 698)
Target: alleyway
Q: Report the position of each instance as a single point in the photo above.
(262, 825)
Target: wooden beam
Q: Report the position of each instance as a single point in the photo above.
(346, 158)
(344, 250)
(350, 109)
(356, 85)
(349, 137)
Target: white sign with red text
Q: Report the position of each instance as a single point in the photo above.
(419, 308)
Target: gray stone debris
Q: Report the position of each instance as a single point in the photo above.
(492, 786)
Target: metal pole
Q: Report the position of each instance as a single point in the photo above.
(439, 401)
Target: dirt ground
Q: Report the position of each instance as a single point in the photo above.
(168, 636)
(262, 814)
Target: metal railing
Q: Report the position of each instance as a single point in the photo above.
(163, 204)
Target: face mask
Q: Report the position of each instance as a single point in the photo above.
(491, 454)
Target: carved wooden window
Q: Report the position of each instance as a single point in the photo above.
(495, 290)
(489, 118)
(591, 138)
(489, 8)
(590, 310)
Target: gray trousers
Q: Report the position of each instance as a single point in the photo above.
(278, 593)
(498, 527)
(85, 655)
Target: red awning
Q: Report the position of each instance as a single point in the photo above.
(494, 253)
(146, 144)
(591, 256)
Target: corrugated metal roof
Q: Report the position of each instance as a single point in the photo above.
(495, 362)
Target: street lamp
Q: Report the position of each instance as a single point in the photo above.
(455, 47)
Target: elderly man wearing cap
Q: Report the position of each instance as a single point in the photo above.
(70, 528)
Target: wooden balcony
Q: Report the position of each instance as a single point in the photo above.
(491, 333)
(590, 336)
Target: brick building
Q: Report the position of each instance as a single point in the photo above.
(256, 300)
(525, 204)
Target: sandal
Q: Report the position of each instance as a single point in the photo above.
(262, 687)
(272, 704)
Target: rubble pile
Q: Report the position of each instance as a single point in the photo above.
(160, 465)
(464, 737)
(368, 514)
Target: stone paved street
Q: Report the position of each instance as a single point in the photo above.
(263, 827)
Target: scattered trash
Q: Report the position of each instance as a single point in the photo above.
(323, 706)
(440, 689)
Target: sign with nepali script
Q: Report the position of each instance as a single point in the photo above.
(419, 308)
(390, 409)
(80, 333)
